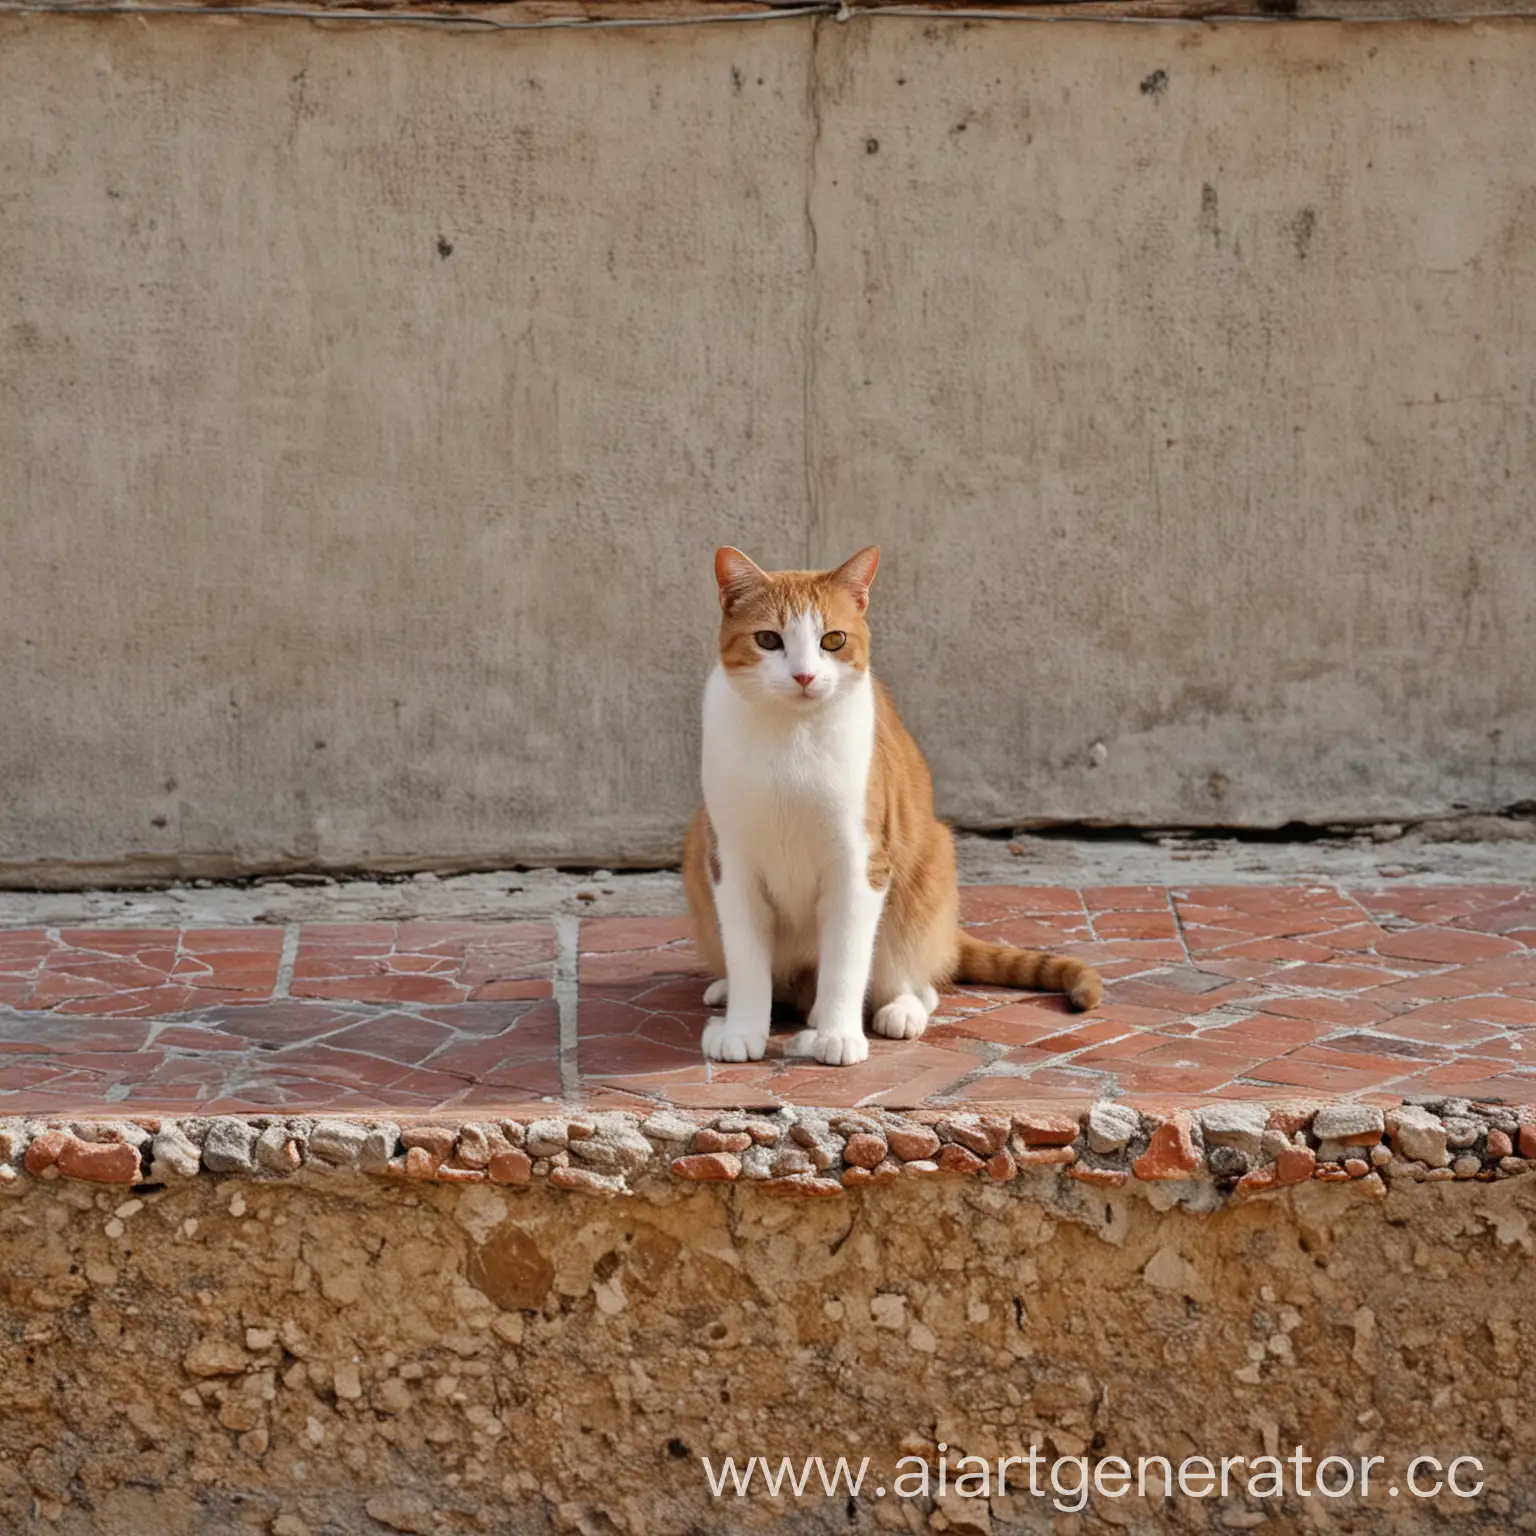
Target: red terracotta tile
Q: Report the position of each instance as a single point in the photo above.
(1447, 946)
(1335, 978)
(1342, 1012)
(1266, 1033)
(607, 935)
(1095, 1032)
(1125, 898)
(1135, 925)
(991, 903)
(1319, 1070)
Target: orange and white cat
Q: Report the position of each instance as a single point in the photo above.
(816, 869)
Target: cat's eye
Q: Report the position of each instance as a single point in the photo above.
(769, 639)
(833, 640)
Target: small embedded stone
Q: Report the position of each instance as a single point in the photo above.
(911, 1143)
(852, 1177)
(1289, 1120)
(1295, 1165)
(513, 1166)
(1101, 1178)
(44, 1150)
(1527, 1143)
(580, 1130)
(1001, 1166)
(129, 1132)
(616, 1147)
(887, 1172)
(1042, 1129)
(1461, 1132)
(788, 1161)
(419, 1163)
(1418, 1135)
(666, 1127)
(1046, 1157)
(845, 1124)
(1354, 1125)
(174, 1155)
(448, 1173)
(230, 1146)
(1239, 1127)
(1259, 1180)
(1170, 1153)
(805, 1184)
(821, 1145)
(1227, 1162)
(981, 1134)
(339, 1142)
(1356, 1167)
(864, 1150)
(1500, 1145)
(378, 1147)
(1111, 1127)
(437, 1140)
(1330, 1173)
(1467, 1167)
(707, 1166)
(544, 1138)
(214, 1357)
(707, 1139)
(953, 1158)
(478, 1144)
(763, 1132)
(587, 1181)
(921, 1167)
(102, 1162)
(277, 1151)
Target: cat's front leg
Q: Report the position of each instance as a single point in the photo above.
(848, 917)
(746, 935)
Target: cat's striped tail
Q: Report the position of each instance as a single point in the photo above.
(1003, 965)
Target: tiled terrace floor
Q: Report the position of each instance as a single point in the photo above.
(1251, 992)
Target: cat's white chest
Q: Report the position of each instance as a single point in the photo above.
(787, 794)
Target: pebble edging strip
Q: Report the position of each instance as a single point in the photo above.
(1242, 1149)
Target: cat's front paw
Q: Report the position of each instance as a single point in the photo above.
(728, 1041)
(831, 1050)
(903, 1018)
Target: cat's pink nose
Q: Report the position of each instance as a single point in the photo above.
(805, 679)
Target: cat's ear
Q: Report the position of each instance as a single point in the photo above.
(737, 576)
(857, 573)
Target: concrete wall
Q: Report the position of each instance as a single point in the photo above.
(372, 400)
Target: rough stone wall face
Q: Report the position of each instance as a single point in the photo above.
(374, 398)
(340, 1356)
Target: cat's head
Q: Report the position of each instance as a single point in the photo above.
(795, 638)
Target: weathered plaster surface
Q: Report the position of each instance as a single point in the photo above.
(373, 398)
